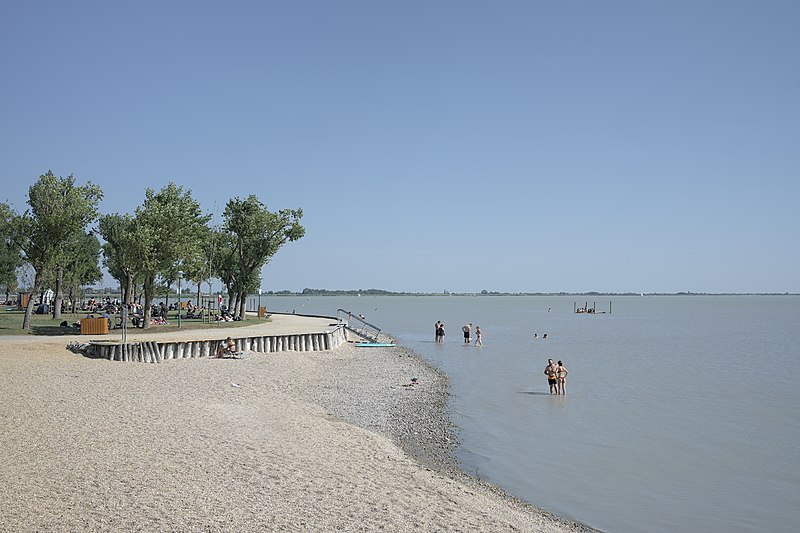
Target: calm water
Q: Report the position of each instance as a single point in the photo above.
(681, 414)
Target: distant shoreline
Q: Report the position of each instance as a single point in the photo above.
(379, 292)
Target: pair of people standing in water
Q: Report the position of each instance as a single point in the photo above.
(467, 329)
(556, 377)
(439, 331)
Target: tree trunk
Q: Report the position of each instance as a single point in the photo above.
(59, 293)
(148, 298)
(198, 295)
(127, 289)
(26, 322)
(230, 298)
(243, 305)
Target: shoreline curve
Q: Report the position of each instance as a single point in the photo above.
(278, 442)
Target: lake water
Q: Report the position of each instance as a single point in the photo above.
(682, 413)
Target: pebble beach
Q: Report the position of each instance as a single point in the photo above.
(294, 441)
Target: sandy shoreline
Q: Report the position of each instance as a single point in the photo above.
(312, 441)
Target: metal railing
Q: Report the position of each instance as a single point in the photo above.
(357, 324)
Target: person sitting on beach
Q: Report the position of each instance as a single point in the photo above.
(227, 347)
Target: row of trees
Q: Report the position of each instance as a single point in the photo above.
(168, 233)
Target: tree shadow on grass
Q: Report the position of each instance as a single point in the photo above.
(54, 331)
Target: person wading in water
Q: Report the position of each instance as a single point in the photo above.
(550, 371)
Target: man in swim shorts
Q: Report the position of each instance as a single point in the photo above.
(550, 371)
(467, 333)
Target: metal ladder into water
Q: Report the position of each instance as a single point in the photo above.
(357, 325)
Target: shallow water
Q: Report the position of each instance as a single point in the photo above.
(681, 413)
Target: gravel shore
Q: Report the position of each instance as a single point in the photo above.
(295, 441)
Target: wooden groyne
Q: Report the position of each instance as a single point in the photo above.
(159, 351)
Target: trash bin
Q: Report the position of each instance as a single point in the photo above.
(94, 326)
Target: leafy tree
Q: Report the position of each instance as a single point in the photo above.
(121, 251)
(59, 210)
(225, 266)
(82, 267)
(252, 236)
(167, 277)
(198, 268)
(169, 225)
(10, 260)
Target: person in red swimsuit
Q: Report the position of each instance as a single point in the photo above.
(561, 377)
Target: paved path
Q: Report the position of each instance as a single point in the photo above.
(276, 325)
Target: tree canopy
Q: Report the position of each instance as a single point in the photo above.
(250, 236)
(10, 258)
(145, 250)
(121, 250)
(58, 211)
(170, 227)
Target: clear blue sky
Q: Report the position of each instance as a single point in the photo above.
(509, 146)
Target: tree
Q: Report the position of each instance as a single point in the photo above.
(199, 266)
(252, 236)
(121, 251)
(169, 227)
(82, 267)
(10, 260)
(59, 210)
(225, 265)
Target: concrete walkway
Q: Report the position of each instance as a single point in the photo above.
(276, 325)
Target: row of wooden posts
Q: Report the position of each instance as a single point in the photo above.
(157, 352)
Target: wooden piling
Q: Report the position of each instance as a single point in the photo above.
(154, 352)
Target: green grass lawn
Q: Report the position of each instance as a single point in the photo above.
(11, 324)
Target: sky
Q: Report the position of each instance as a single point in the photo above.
(513, 146)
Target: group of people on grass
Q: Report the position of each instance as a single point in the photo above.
(158, 312)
